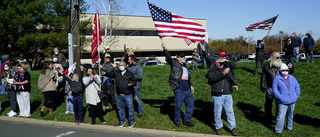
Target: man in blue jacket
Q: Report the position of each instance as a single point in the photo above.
(308, 44)
(286, 90)
(296, 42)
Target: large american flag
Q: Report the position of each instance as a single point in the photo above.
(265, 25)
(169, 24)
(96, 38)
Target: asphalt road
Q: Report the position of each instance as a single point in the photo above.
(16, 129)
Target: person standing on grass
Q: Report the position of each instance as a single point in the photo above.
(289, 54)
(92, 82)
(269, 72)
(47, 85)
(107, 83)
(296, 42)
(23, 88)
(180, 82)
(286, 90)
(260, 58)
(125, 82)
(77, 91)
(195, 57)
(308, 44)
(221, 80)
(59, 57)
(205, 44)
(137, 71)
(8, 76)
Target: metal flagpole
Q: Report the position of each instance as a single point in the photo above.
(270, 29)
(98, 25)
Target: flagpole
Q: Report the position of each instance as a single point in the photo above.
(98, 25)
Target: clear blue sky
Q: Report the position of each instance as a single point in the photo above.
(228, 18)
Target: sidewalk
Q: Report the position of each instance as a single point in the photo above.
(106, 127)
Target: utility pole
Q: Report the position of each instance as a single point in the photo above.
(75, 31)
(281, 39)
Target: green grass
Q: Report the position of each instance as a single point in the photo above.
(158, 99)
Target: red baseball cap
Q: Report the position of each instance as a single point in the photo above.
(222, 54)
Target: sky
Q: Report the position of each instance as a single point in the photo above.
(228, 18)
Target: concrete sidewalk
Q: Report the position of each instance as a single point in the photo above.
(106, 127)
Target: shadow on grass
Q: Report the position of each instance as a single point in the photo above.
(248, 70)
(317, 104)
(164, 105)
(203, 111)
(34, 105)
(254, 114)
(4, 105)
(305, 120)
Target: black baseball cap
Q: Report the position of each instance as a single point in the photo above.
(181, 55)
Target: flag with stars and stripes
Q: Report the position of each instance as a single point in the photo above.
(265, 25)
(169, 24)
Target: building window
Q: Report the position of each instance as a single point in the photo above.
(88, 32)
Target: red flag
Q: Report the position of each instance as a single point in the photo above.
(94, 41)
(169, 24)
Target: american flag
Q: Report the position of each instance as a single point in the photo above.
(169, 24)
(265, 25)
(95, 38)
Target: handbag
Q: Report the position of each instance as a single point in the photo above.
(2, 89)
(100, 93)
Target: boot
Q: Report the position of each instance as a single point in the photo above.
(102, 120)
(93, 121)
(42, 111)
(51, 111)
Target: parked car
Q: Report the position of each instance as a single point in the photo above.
(267, 55)
(233, 57)
(117, 61)
(86, 65)
(153, 63)
(252, 56)
(244, 56)
(214, 55)
(188, 61)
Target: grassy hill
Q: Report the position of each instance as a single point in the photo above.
(158, 99)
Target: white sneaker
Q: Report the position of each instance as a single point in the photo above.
(67, 112)
(71, 112)
(12, 114)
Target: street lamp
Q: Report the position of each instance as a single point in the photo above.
(281, 32)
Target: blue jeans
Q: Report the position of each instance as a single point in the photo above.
(290, 59)
(218, 103)
(77, 106)
(284, 110)
(187, 98)
(128, 101)
(296, 53)
(69, 103)
(138, 98)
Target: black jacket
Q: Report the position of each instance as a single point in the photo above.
(76, 86)
(216, 80)
(176, 71)
(288, 49)
(268, 74)
(123, 81)
(260, 52)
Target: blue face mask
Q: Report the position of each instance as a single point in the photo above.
(306, 36)
(121, 68)
(56, 53)
(6, 69)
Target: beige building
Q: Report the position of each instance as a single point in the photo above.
(139, 34)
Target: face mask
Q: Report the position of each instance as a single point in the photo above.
(292, 35)
(121, 68)
(56, 53)
(306, 36)
(284, 73)
(89, 73)
(6, 69)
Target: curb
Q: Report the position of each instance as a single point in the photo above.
(140, 131)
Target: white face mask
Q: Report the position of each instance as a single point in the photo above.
(284, 73)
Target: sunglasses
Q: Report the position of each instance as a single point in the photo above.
(221, 63)
(285, 70)
(278, 57)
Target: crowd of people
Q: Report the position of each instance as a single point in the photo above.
(125, 83)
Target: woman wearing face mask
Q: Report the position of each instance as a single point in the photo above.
(92, 82)
(8, 76)
(47, 85)
(286, 90)
(23, 88)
